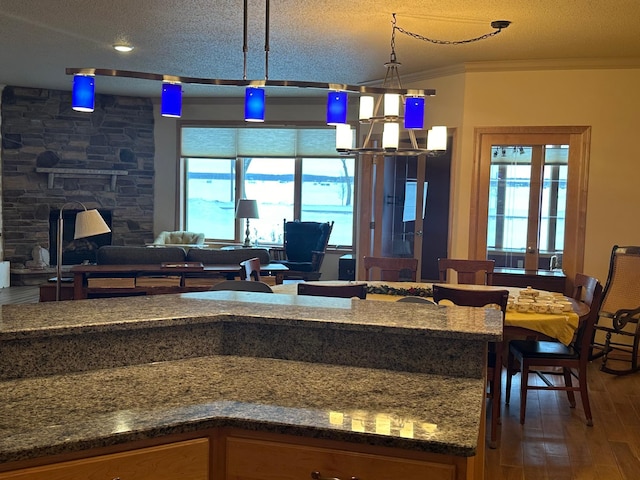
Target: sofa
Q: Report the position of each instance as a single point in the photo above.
(125, 255)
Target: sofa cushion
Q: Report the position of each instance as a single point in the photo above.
(210, 256)
(124, 255)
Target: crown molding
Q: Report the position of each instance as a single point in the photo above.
(553, 64)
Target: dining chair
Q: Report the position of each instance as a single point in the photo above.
(473, 272)
(532, 354)
(619, 317)
(242, 286)
(391, 269)
(482, 298)
(250, 269)
(351, 290)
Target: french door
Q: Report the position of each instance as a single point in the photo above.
(529, 198)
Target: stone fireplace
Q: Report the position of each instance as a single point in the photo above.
(52, 155)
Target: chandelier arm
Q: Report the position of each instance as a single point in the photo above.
(360, 89)
(499, 25)
(245, 47)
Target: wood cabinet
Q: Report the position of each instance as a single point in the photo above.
(187, 460)
(259, 456)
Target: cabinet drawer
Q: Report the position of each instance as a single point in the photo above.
(251, 459)
(187, 460)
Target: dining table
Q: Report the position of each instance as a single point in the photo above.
(555, 326)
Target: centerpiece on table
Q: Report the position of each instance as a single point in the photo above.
(404, 292)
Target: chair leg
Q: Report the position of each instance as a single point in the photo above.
(510, 373)
(584, 396)
(524, 381)
(567, 383)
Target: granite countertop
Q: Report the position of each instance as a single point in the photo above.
(90, 373)
(48, 415)
(59, 318)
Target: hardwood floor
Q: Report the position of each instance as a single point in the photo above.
(19, 295)
(555, 442)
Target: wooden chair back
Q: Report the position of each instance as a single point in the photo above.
(391, 269)
(350, 290)
(250, 269)
(471, 272)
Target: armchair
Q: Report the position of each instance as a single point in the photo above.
(305, 244)
(179, 238)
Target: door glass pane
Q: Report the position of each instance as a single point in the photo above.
(210, 195)
(270, 181)
(554, 200)
(510, 213)
(327, 195)
(509, 191)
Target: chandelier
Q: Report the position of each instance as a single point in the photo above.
(379, 107)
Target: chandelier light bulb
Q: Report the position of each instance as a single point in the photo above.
(414, 113)
(437, 138)
(336, 108)
(254, 105)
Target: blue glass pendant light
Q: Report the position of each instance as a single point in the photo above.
(336, 108)
(171, 100)
(83, 93)
(254, 104)
(414, 113)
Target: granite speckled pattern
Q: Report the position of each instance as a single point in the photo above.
(49, 415)
(337, 313)
(90, 373)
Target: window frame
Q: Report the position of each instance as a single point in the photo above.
(239, 178)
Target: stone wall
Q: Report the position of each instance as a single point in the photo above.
(40, 131)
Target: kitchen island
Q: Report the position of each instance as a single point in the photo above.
(244, 372)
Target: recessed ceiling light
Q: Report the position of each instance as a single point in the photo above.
(122, 47)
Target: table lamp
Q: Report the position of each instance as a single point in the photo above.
(88, 223)
(247, 209)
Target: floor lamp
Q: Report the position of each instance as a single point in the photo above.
(88, 223)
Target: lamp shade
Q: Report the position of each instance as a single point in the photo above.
(414, 113)
(336, 108)
(247, 209)
(254, 104)
(437, 139)
(171, 100)
(390, 136)
(391, 105)
(89, 223)
(83, 93)
(344, 136)
(366, 108)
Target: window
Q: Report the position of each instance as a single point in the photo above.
(292, 173)
(527, 193)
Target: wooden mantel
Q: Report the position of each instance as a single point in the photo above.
(80, 172)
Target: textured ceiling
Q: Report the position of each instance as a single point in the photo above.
(323, 41)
